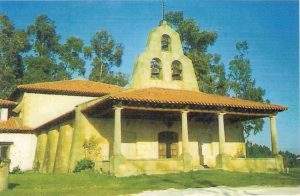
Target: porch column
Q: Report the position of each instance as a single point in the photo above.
(117, 132)
(184, 132)
(117, 159)
(186, 157)
(273, 131)
(221, 133)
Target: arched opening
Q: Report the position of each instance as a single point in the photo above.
(156, 68)
(168, 144)
(165, 42)
(176, 70)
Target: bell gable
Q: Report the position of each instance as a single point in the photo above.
(163, 63)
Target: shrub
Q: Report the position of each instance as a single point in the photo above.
(16, 170)
(290, 159)
(84, 164)
(257, 151)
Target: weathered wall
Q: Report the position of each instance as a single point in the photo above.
(140, 139)
(22, 151)
(252, 164)
(37, 109)
(53, 148)
(141, 77)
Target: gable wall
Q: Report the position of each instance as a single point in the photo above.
(37, 109)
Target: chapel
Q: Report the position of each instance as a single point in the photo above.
(159, 123)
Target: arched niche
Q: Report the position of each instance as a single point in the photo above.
(155, 66)
(176, 70)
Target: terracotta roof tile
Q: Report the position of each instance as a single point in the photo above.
(72, 87)
(13, 125)
(169, 96)
(7, 103)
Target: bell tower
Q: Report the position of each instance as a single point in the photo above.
(163, 63)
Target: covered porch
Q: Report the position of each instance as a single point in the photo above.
(174, 148)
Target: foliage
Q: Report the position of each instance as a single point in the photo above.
(92, 183)
(209, 70)
(290, 159)
(242, 85)
(92, 148)
(13, 45)
(16, 170)
(38, 55)
(50, 60)
(84, 164)
(257, 151)
(4, 162)
(105, 54)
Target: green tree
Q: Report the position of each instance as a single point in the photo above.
(13, 45)
(50, 60)
(209, 70)
(106, 54)
(242, 85)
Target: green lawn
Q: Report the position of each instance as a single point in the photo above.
(90, 183)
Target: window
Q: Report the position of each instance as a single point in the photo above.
(4, 150)
(168, 144)
(176, 70)
(155, 68)
(165, 42)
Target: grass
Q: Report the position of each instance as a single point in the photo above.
(92, 183)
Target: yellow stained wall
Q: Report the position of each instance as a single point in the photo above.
(63, 148)
(37, 109)
(40, 150)
(140, 139)
(141, 77)
(50, 153)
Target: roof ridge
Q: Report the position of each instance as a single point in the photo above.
(57, 81)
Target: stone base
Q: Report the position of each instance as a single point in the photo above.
(187, 161)
(4, 169)
(115, 162)
(222, 160)
(279, 163)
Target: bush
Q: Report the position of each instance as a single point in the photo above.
(16, 170)
(257, 151)
(290, 159)
(84, 164)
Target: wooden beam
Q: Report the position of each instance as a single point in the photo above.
(195, 111)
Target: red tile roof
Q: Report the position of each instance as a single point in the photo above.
(170, 96)
(72, 87)
(13, 125)
(7, 103)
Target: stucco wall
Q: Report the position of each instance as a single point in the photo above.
(140, 139)
(141, 77)
(37, 109)
(22, 151)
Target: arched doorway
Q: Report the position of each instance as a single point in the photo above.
(168, 144)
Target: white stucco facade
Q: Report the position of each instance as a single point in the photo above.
(22, 150)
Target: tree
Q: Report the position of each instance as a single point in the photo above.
(13, 45)
(242, 85)
(209, 70)
(106, 54)
(50, 60)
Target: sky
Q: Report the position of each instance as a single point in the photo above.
(271, 29)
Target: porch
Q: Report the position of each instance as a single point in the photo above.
(121, 163)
